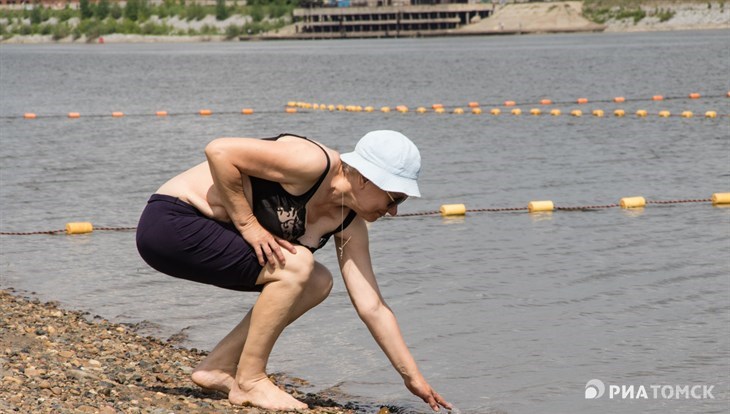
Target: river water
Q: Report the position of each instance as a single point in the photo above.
(505, 312)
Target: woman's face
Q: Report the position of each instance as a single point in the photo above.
(375, 202)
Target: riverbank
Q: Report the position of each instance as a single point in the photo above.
(518, 18)
(58, 361)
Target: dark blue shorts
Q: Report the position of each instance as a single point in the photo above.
(176, 239)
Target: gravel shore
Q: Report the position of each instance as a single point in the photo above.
(54, 360)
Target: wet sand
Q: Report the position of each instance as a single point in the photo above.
(54, 360)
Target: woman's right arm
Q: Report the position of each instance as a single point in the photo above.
(232, 159)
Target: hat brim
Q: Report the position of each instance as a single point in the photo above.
(383, 179)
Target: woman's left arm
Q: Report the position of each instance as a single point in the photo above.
(357, 272)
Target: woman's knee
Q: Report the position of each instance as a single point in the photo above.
(321, 280)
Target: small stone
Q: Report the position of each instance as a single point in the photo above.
(107, 410)
(94, 363)
(44, 384)
(51, 330)
(119, 329)
(66, 354)
(56, 390)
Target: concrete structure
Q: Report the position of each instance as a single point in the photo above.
(386, 21)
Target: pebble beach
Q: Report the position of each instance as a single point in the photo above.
(54, 360)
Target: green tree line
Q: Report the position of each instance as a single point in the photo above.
(105, 17)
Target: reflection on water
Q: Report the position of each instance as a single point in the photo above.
(505, 312)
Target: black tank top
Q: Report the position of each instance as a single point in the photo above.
(284, 214)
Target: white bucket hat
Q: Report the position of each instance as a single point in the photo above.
(389, 159)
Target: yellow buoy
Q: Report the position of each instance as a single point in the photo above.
(315, 106)
(538, 206)
(555, 112)
(664, 114)
(687, 114)
(161, 113)
(495, 111)
(340, 107)
(117, 114)
(476, 111)
(598, 113)
(582, 101)
(619, 99)
(291, 103)
(369, 109)
(458, 111)
(331, 108)
(29, 115)
(473, 104)
(641, 113)
(710, 114)
(452, 210)
(535, 111)
(721, 198)
(633, 202)
(247, 111)
(657, 98)
(74, 115)
(546, 102)
(517, 111)
(79, 228)
(510, 103)
(291, 110)
(619, 113)
(385, 109)
(576, 112)
(695, 96)
(421, 110)
(350, 108)
(205, 112)
(439, 110)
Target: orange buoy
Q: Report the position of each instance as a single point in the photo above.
(291, 110)
(695, 96)
(546, 102)
(247, 111)
(117, 114)
(510, 103)
(161, 113)
(619, 99)
(582, 101)
(657, 98)
(74, 115)
(473, 104)
(437, 106)
(29, 115)
(401, 108)
(205, 112)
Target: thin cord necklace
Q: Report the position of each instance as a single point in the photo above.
(342, 226)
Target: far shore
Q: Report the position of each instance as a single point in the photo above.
(523, 18)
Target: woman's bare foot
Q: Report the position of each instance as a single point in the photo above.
(264, 394)
(214, 379)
